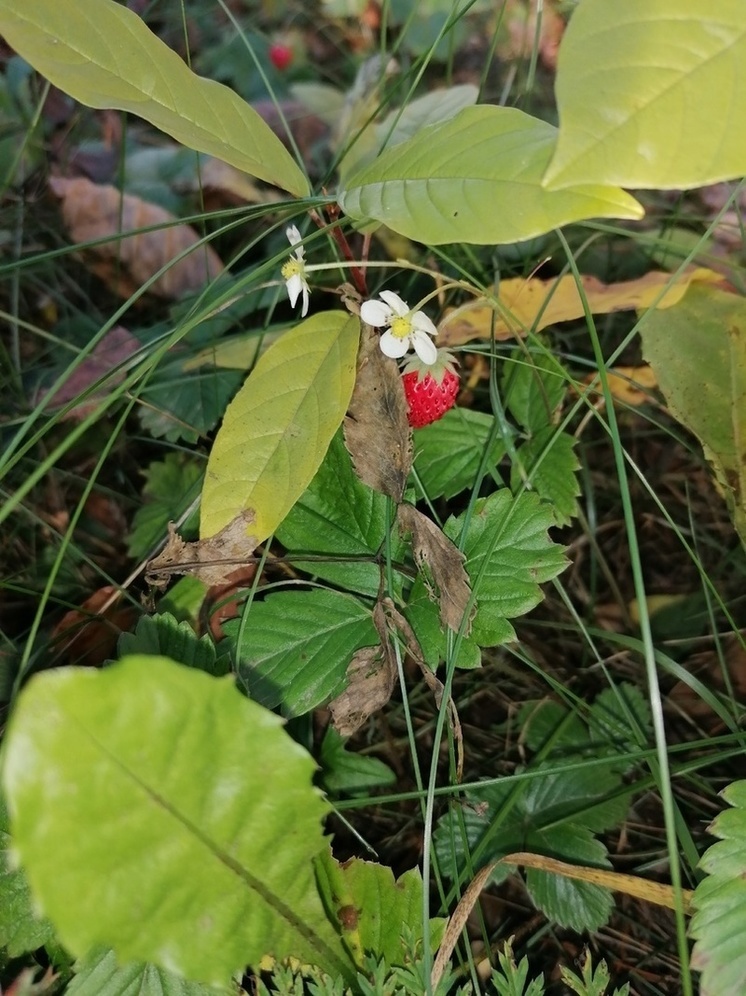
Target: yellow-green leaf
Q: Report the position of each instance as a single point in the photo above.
(278, 427)
(103, 55)
(651, 94)
(698, 352)
(476, 178)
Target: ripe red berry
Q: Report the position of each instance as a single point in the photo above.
(280, 55)
(429, 398)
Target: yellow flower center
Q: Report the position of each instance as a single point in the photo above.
(292, 268)
(401, 327)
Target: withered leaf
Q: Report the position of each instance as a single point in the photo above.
(107, 357)
(441, 564)
(213, 560)
(386, 614)
(371, 675)
(376, 430)
(94, 211)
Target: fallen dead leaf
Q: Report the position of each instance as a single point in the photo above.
(531, 305)
(88, 635)
(629, 385)
(376, 430)
(215, 560)
(441, 565)
(92, 211)
(232, 185)
(522, 34)
(107, 357)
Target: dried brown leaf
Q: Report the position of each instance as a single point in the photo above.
(533, 304)
(213, 560)
(441, 564)
(376, 430)
(107, 357)
(92, 211)
(371, 675)
(396, 621)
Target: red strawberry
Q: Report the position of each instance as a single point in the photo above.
(280, 55)
(430, 390)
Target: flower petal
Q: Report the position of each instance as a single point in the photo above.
(294, 286)
(394, 302)
(306, 296)
(422, 323)
(393, 346)
(424, 346)
(293, 235)
(375, 313)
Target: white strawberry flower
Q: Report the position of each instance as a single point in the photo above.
(404, 328)
(294, 271)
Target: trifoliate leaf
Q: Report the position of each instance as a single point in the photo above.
(21, 927)
(508, 554)
(171, 486)
(179, 404)
(550, 465)
(339, 518)
(719, 921)
(534, 390)
(296, 646)
(448, 453)
(98, 974)
(349, 771)
(164, 635)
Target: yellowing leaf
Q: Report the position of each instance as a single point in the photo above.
(698, 352)
(650, 94)
(278, 427)
(475, 178)
(103, 55)
(531, 305)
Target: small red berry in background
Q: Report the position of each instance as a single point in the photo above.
(280, 55)
(430, 390)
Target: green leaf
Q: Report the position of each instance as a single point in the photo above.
(372, 908)
(649, 93)
(534, 390)
(508, 555)
(697, 349)
(338, 517)
(349, 771)
(278, 428)
(568, 902)
(164, 635)
(21, 928)
(171, 485)
(434, 107)
(423, 615)
(554, 814)
(296, 646)
(476, 178)
(178, 403)
(550, 464)
(719, 922)
(98, 974)
(103, 55)
(140, 803)
(448, 452)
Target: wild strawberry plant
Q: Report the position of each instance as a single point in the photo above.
(159, 808)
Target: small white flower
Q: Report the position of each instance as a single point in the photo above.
(405, 328)
(294, 271)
